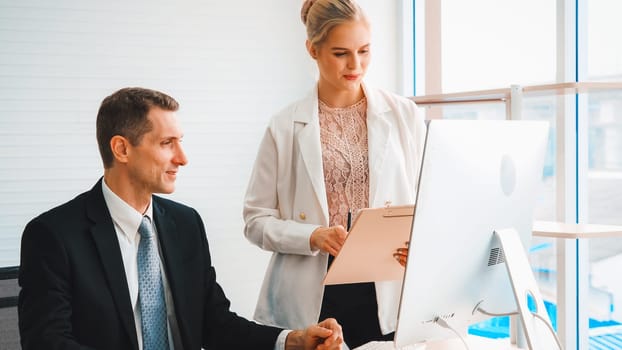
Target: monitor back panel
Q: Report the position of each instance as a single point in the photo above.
(476, 176)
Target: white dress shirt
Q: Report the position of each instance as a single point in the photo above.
(126, 222)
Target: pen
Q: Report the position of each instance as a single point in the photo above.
(349, 223)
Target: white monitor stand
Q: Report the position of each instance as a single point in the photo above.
(536, 325)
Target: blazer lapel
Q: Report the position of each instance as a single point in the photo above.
(171, 251)
(172, 255)
(378, 134)
(107, 244)
(307, 137)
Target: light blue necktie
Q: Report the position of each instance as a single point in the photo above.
(151, 290)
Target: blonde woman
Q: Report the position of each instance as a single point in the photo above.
(343, 147)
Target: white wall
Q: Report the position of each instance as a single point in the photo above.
(229, 64)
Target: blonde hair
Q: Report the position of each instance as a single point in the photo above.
(321, 16)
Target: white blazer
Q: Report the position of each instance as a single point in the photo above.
(286, 200)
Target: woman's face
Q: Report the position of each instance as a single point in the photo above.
(343, 57)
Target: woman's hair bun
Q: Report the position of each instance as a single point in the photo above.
(305, 10)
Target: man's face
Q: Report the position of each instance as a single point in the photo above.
(154, 162)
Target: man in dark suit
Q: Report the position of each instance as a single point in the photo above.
(119, 268)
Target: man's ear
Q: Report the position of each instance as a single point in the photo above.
(311, 49)
(120, 148)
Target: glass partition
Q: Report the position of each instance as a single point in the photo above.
(605, 207)
(488, 44)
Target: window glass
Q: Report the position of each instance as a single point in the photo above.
(488, 44)
(604, 61)
(476, 111)
(605, 157)
(604, 207)
(543, 108)
(604, 202)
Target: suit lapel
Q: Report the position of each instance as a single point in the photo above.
(107, 244)
(171, 251)
(172, 254)
(307, 138)
(378, 134)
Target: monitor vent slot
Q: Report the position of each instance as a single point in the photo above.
(496, 257)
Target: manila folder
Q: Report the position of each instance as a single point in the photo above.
(367, 254)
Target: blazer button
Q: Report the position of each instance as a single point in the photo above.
(302, 216)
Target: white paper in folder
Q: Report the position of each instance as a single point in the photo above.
(367, 254)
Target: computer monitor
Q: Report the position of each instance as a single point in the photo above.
(476, 177)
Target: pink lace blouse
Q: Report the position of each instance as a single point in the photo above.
(343, 134)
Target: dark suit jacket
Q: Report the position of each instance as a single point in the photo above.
(75, 294)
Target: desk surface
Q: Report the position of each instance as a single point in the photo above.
(575, 231)
(474, 342)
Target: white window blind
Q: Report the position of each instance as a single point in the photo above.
(221, 60)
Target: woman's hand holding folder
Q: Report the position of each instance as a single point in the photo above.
(328, 239)
(401, 254)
